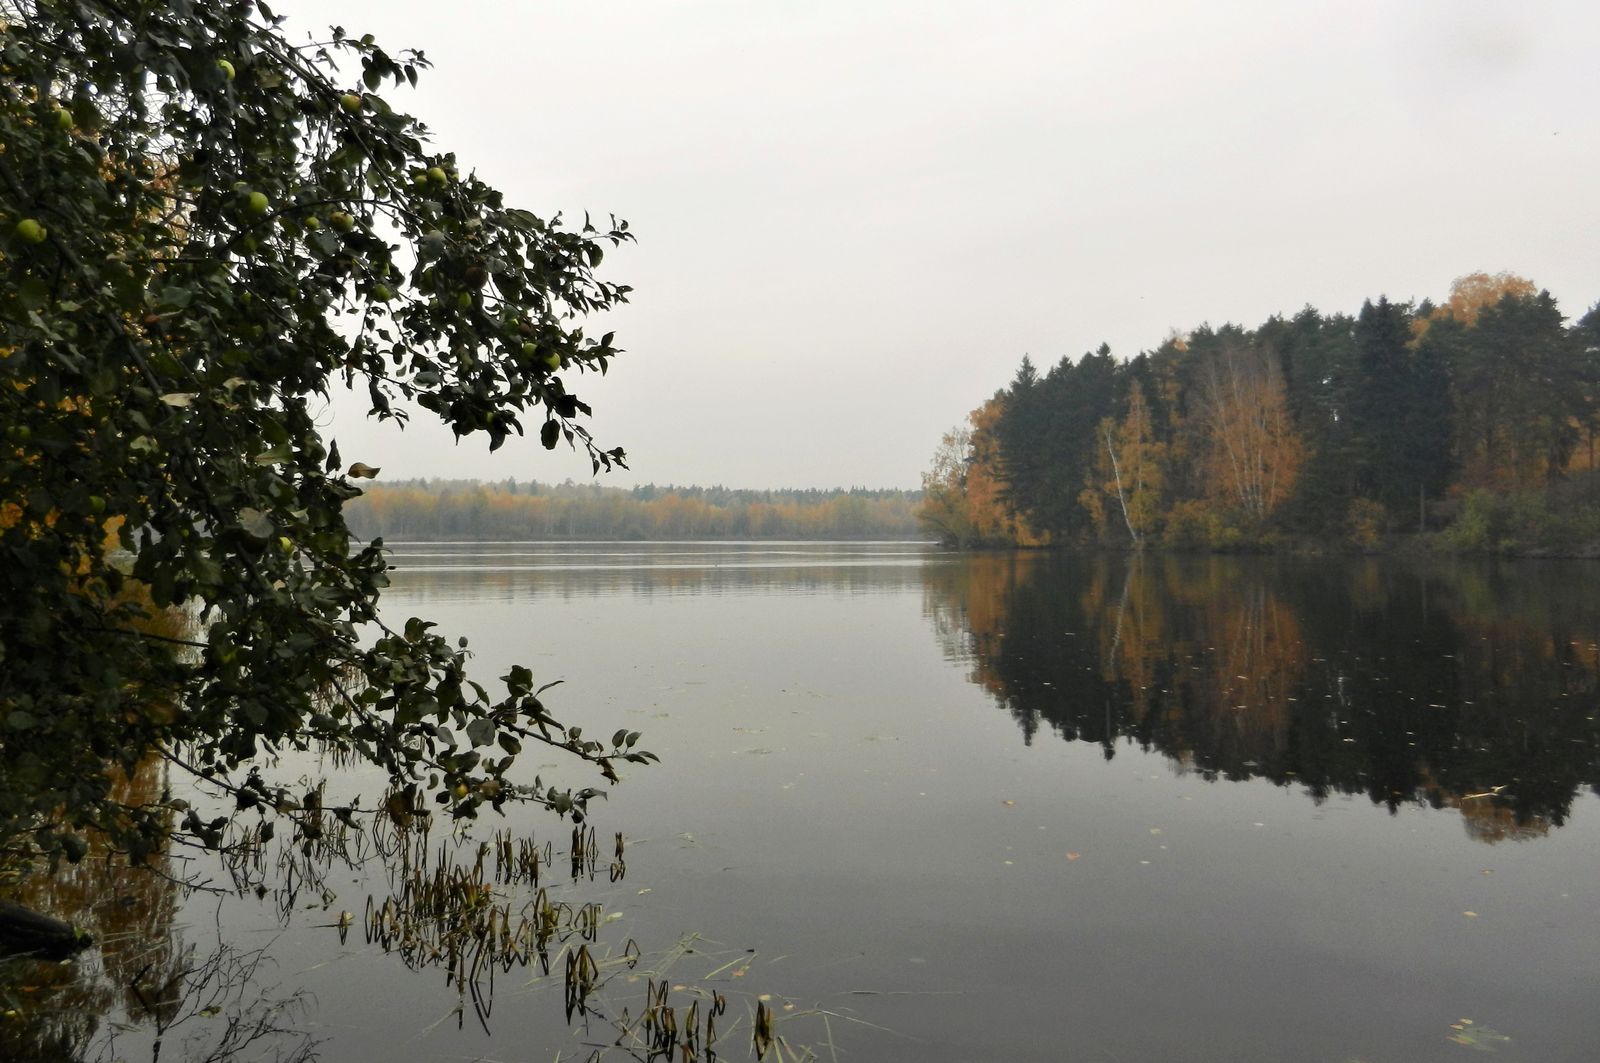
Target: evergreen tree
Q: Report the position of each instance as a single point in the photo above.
(1400, 417)
(1317, 354)
(1020, 433)
(1585, 342)
(1519, 392)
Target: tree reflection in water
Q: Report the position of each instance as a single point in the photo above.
(141, 988)
(1471, 687)
(467, 909)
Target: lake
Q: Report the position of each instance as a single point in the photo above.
(923, 806)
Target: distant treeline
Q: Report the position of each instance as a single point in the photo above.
(467, 509)
(1475, 418)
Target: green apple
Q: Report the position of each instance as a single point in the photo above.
(341, 221)
(552, 361)
(351, 102)
(64, 120)
(437, 175)
(464, 300)
(29, 231)
(257, 203)
(226, 68)
(97, 504)
(312, 222)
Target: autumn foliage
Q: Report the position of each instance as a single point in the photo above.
(444, 509)
(1315, 427)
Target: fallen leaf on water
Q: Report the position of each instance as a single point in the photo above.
(1479, 1038)
(1010, 804)
(1470, 915)
(1073, 856)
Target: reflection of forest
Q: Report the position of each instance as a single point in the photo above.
(1472, 687)
(53, 1009)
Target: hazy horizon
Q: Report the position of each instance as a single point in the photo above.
(854, 220)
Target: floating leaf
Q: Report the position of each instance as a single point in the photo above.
(1477, 1037)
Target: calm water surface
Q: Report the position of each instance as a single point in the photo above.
(1038, 808)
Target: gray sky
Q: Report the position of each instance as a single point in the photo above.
(854, 218)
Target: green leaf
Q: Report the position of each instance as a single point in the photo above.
(33, 293)
(257, 523)
(481, 731)
(275, 456)
(324, 241)
(74, 847)
(173, 297)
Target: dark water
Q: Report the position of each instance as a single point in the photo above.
(1022, 807)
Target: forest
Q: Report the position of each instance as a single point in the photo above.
(468, 509)
(1471, 422)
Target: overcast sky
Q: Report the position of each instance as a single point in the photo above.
(855, 217)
